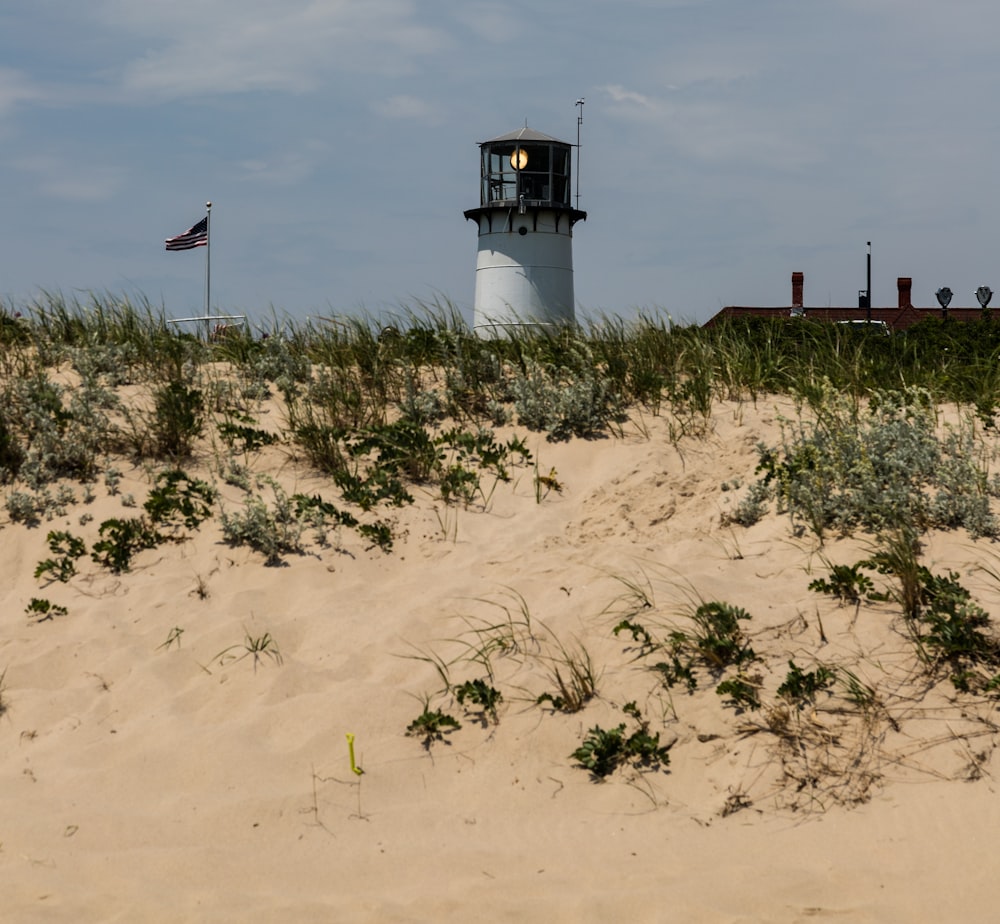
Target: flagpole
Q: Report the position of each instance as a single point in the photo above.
(208, 262)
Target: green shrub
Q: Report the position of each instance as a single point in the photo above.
(28, 508)
(801, 686)
(177, 421)
(245, 439)
(877, 469)
(716, 641)
(43, 609)
(741, 692)
(480, 693)
(378, 533)
(717, 638)
(677, 671)
(179, 500)
(564, 402)
(49, 432)
(432, 726)
(604, 750)
(67, 548)
(121, 540)
(847, 583)
(274, 530)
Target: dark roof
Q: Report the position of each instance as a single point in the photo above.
(525, 134)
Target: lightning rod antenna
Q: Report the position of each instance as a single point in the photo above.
(579, 122)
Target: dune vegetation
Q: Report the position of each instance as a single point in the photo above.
(891, 439)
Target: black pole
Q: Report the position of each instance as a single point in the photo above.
(208, 264)
(869, 299)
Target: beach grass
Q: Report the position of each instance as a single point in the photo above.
(381, 414)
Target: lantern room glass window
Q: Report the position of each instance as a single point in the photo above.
(544, 178)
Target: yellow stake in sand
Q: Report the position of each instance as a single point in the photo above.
(350, 750)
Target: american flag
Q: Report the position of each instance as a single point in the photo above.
(196, 236)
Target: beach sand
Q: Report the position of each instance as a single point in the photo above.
(157, 769)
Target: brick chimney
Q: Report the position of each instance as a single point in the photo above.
(798, 279)
(904, 284)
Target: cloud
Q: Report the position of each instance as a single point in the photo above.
(16, 88)
(287, 168)
(491, 22)
(630, 98)
(407, 107)
(713, 127)
(954, 28)
(59, 178)
(195, 48)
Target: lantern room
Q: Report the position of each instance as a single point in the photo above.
(525, 164)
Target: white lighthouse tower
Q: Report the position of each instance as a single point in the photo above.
(524, 271)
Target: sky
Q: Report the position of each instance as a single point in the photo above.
(724, 145)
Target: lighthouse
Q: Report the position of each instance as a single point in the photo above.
(524, 268)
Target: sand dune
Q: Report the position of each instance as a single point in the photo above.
(157, 769)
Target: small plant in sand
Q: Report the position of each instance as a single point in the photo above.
(604, 750)
(121, 540)
(42, 609)
(271, 530)
(459, 484)
(677, 671)
(718, 638)
(379, 459)
(741, 691)
(178, 500)
(320, 515)
(379, 534)
(173, 638)
(636, 597)
(28, 507)
(946, 626)
(507, 636)
(954, 633)
(856, 691)
(546, 484)
(255, 647)
(200, 590)
(639, 634)
(112, 480)
(238, 434)
(368, 489)
(897, 553)
(65, 548)
(177, 420)
(716, 642)
(23, 507)
(472, 455)
(802, 687)
(848, 583)
(752, 508)
(572, 673)
(431, 726)
(479, 693)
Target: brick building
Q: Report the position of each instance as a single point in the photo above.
(901, 317)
